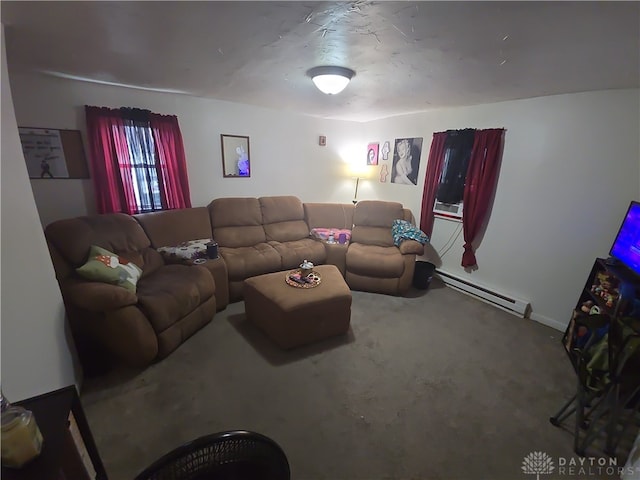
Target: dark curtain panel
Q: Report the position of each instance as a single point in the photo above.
(106, 131)
(171, 161)
(434, 167)
(454, 169)
(481, 183)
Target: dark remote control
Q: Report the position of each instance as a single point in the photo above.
(297, 280)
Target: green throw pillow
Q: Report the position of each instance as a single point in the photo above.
(105, 266)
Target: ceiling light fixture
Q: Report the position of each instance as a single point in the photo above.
(331, 80)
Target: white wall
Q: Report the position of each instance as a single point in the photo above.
(285, 155)
(35, 354)
(570, 168)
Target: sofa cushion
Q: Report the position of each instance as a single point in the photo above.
(283, 218)
(237, 222)
(172, 292)
(116, 232)
(237, 237)
(105, 266)
(329, 215)
(286, 231)
(372, 221)
(376, 213)
(375, 261)
(380, 236)
(245, 262)
(172, 227)
(411, 247)
(281, 209)
(96, 296)
(293, 253)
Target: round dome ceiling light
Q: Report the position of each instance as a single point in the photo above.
(331, 80)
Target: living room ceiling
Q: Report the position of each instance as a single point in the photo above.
(408, 56)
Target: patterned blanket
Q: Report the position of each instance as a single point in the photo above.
(402, 230)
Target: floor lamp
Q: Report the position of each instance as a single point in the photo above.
(360, 172)
(355, 195)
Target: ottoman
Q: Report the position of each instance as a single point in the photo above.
(292, 316)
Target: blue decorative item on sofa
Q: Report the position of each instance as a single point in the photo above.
(404, 230)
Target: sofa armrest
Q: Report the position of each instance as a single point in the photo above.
(98, 296)
(411, 247)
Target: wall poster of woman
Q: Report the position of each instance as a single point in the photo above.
(406, 161)
(372, 154)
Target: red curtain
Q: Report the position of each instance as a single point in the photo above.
(109, 151)
(432, 177)
(479, 188)
(111, 160)
(172, 175)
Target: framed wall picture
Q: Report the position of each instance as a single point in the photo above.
(384, 153)
(372, 153)
(236, 162)
(52, 153)
(406, 161)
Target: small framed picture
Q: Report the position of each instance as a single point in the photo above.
(372, 153)
(235, 156)
(53, 153)
(385, 150)
(322, 140)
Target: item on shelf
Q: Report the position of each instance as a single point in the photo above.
(611, 291)
(586, 306)
(21, 439)
(605, 286)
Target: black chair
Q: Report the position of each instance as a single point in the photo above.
(232, 455)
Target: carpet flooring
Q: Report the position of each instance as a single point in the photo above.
(435, 385)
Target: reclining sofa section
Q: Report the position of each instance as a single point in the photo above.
(175, 298)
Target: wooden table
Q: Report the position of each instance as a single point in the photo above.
(69, 451)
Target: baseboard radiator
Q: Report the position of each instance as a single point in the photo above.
(518, 307)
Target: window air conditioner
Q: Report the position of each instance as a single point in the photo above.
(449, 210)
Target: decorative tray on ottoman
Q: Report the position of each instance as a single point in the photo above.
(313, 279)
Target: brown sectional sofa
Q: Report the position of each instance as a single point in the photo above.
(174, 300)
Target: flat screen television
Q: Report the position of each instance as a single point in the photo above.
(626, 246)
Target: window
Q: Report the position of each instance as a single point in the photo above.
(473, 160)
(137, 159)
(143, 166)
(450, 191)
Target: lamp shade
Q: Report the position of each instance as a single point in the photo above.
(360, 170)
(331, 80)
